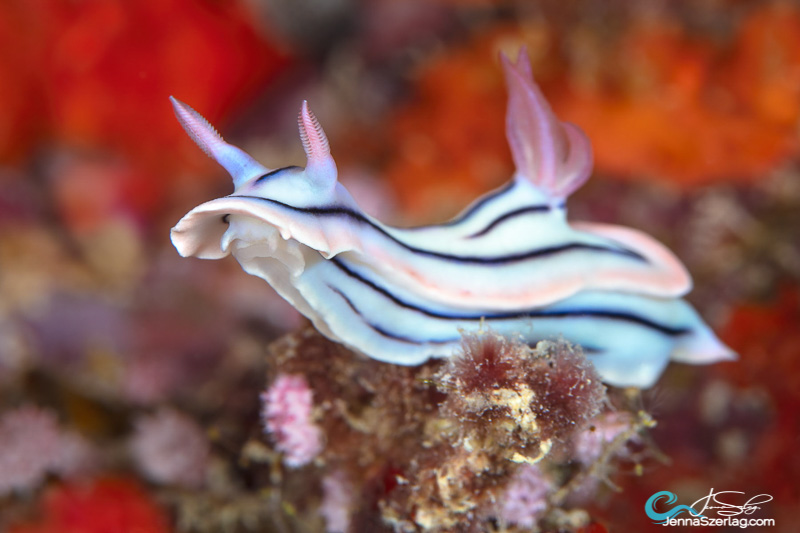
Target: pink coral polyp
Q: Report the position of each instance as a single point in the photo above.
(287, 415)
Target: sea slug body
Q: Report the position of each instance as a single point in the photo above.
(511, 259)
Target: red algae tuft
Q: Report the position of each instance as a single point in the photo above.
(548, 392)
(569, 389)
(486, 361)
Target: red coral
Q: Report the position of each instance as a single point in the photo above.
(98, 74)
(764, 70)
(104, 506)
(768, 341)
(767, 338)
(448, 144)
(657, 101)
(594, 527)
(672, 111)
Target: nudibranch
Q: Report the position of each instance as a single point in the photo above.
(511, 260)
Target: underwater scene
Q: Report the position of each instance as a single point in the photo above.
(381, 266)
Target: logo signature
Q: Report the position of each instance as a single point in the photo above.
(725, 503)
(661, 518)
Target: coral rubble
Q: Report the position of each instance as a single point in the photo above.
(483, 440)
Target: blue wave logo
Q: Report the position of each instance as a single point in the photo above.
(661, 518)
